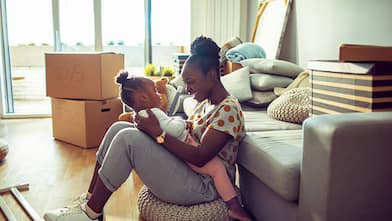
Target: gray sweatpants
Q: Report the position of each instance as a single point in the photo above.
(125, 148)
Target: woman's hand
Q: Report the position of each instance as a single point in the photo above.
(149, 125)
(189, 126)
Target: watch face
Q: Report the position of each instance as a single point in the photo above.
(160, 139)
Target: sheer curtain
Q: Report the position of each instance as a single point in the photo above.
(219, 19)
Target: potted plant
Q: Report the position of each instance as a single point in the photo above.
(150, 70)
(168, 71)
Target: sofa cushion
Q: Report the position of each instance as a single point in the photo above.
(237, 83)
(258, 120)
(260, 99)
(272, 66)
(267, 82)
(274, 158)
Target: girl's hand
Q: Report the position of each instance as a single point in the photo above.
(150, 125)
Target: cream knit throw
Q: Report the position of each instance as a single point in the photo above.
(302, 80)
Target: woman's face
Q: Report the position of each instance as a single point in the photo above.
(197, 83)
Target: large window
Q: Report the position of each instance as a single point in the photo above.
(37, 15)
(76, 25)
(31, 28)
(170, 29)
(170, 22)
(123, 31)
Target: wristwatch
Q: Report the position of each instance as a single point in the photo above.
(161, 138)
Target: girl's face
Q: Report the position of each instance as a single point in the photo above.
(152, 97)
(197, 83)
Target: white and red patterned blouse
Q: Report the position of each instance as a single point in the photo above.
(226, 117)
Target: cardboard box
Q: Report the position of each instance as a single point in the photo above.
(83, 122)
(364, 53)
(341, 87)
(82, 75)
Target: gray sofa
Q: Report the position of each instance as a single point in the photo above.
(333, 167)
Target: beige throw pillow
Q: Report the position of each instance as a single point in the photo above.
(271, 66)
(237, 84)
(267, 82)
(261, 98)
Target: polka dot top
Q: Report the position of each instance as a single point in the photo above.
(226, 117)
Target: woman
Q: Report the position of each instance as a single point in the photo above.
(217, 123)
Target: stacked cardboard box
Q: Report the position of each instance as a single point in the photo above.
(340, 87)
(84, 95)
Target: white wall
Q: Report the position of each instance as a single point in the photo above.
(316, 28)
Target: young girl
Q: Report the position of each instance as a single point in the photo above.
(180, 129)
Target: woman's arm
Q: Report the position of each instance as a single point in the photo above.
(213, 141)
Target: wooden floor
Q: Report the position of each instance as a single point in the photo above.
(57, 172)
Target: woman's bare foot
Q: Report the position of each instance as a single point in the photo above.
(239, 214)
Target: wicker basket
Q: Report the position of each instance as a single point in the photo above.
(153, 209)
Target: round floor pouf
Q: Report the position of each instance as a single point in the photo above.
(3, 149)
(153, 209)
(292, 106)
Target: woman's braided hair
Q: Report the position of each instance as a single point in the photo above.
(204, 54)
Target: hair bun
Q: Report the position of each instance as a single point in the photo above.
(122, 77)
(205, 46)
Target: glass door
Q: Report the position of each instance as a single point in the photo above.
(27, 35)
